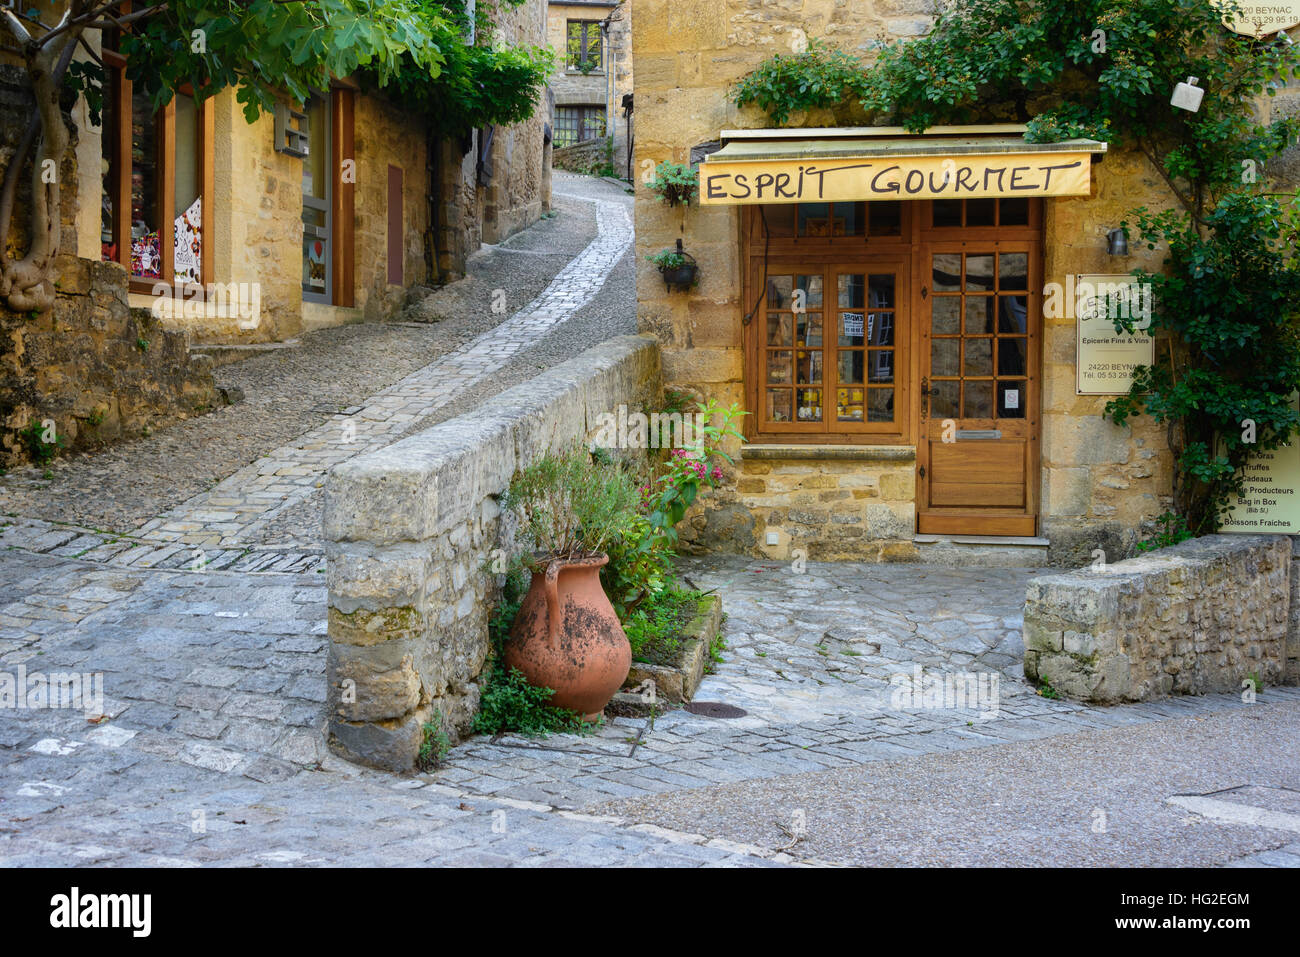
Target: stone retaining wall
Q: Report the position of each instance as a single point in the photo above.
(410, 530)
(585, 157)
(1196, 618)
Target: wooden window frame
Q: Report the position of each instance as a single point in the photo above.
(586, 27)
(763, 255)
(119, 87)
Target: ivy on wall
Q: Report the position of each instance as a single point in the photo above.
(1225, 305)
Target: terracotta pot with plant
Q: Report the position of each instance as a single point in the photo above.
(567, 636)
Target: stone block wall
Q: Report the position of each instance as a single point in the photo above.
(1195, 618)
(859, 505)
(410, 532)
(584, 157)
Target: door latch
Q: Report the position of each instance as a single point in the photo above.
(925, 398)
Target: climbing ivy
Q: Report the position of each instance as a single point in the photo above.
(1226, 304)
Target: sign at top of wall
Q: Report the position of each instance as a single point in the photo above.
(742, 182)
(1254, 18)
(1271, 505)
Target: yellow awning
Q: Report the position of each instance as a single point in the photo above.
(883, 163)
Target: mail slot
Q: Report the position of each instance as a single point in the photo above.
(979, 434)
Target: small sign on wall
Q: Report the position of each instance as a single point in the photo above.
(1105, 359)
(1271, 505)
(1253, 18)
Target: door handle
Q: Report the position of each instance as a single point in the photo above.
(925, 398)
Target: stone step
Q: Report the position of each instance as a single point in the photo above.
(999, 551)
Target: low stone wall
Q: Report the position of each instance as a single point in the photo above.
(410, 531)
(99, 370)
(584, 157)
(1191, 619)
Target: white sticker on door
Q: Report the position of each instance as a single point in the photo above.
(1011, 399)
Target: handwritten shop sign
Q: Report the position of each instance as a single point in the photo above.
(1256, 19)
(1271, 505)
(1106, 358)
(740, 182)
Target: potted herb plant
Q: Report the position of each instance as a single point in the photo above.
(675, 183)
(678, 267)
(567, 636)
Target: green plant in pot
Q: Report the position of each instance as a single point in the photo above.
(567, 636)
(677, 266)
(675, 183)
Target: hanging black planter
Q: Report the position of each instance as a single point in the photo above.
(679, 268)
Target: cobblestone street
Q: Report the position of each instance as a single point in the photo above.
(207, 622)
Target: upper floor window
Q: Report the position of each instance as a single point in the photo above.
(584, 49)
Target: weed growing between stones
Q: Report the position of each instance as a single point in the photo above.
(1170, 530)
(654, 627)
(508, 702)
(434, 747)
(41, 441)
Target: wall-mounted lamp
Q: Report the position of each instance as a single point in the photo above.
(1117, 242)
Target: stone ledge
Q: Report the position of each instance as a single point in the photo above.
(851, 453)
(1198, 617)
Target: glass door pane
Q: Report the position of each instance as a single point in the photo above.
(316, 189)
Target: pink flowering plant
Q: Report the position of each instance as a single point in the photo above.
(639, 566)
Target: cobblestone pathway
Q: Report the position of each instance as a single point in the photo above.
(217, 529)
(211, 647)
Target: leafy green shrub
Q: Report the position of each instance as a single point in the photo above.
(820, 77)
(1170, 530)
(654, 627)
(570, 506)
(33, 436)
(510, 703)
(675, 183)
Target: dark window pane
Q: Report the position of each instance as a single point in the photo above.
(1011, 400)
(947, 212)
(880, 328)
(808, 368)
(809, 329)
(814, 219)
(980, 212)
(881, 291)
(1011, 356)
(812, 288)
(1013, 314)
(849, 219)
(1014, 212)
(779, 220)
(886, 219)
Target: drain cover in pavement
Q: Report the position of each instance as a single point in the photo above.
(715, 709)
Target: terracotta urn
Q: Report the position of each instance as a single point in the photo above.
(567, 637)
